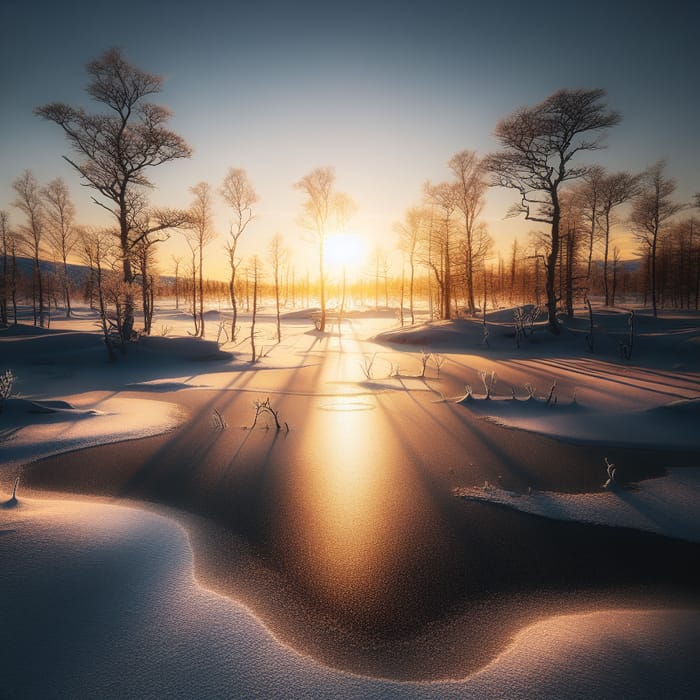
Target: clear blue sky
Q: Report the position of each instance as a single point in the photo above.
(384, 92)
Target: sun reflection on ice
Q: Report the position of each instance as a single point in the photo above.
(347, 531)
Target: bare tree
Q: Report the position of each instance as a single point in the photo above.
(119, 147)
(61, 231)
(239, 194)
(615, 189)
(176, 271)
(470, 187)
(440, 250)
(97, 252)
(278, 256)
(29, 202)
(540, 144)
(199, 234)
(652, 209)
(410, 232)
(143, 254)
(587, 196)
(322, 206)
(150, 226)
(571, 228)
(8, 269)
(255, 271)
(191, 240)
(381, 272)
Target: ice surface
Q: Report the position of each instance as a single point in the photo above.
(107, 606)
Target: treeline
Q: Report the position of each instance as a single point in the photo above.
(584, 215)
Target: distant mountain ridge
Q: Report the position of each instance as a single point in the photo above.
(77, 273)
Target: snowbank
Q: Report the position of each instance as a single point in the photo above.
(82, 578)
(671, 426)
(31, 430)
(666, 506)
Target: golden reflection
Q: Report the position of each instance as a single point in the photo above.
(349, 527)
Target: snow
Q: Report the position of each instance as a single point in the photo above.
(32, 430)
(103, 598)
(99, 600)
(671, 426)
(667, 505)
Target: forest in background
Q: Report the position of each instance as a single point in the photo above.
(582, 214)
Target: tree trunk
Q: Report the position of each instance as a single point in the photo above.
(127, 325)
(201, 289)
(570, 273)
(255, 309)
(277, 304)
(322, 323)
(653, 273)
(410, 292)
(550, 283)
(606, 253)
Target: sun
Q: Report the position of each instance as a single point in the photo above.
(345, 251)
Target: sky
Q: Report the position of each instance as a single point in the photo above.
(384, 92)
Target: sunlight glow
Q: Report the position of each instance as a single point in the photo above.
(345, 251)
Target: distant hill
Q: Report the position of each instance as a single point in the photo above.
(77, 273)
(625, 265)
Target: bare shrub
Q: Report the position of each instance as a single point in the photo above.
(424, 359)
(265, 408)
(7, 381)
(438, 361)
(552, 397)
(627, 345)
(488, 379)
(367, 364)
(611, 471)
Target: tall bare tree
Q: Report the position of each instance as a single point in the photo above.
(470, 187)
(117, 148)
(8, 269)
(176, 272)
(240, 195)
(30, 203)
(652, 209)
(278, 257)
(411, 231)
(97, 250)
(199, 234)
(143, 255)
(539, 147)
(322, 207)
(587, 196)
(255, 270)
(60, 229)
(615, 189)
(571, 230)
(441, 244)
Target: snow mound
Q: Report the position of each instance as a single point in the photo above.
(459, 333)
(671, 426)
(27, 434)
(165, 349)
(666, 506)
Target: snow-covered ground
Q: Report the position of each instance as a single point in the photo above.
(103, 597)
(99, 600)
(38, 429)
